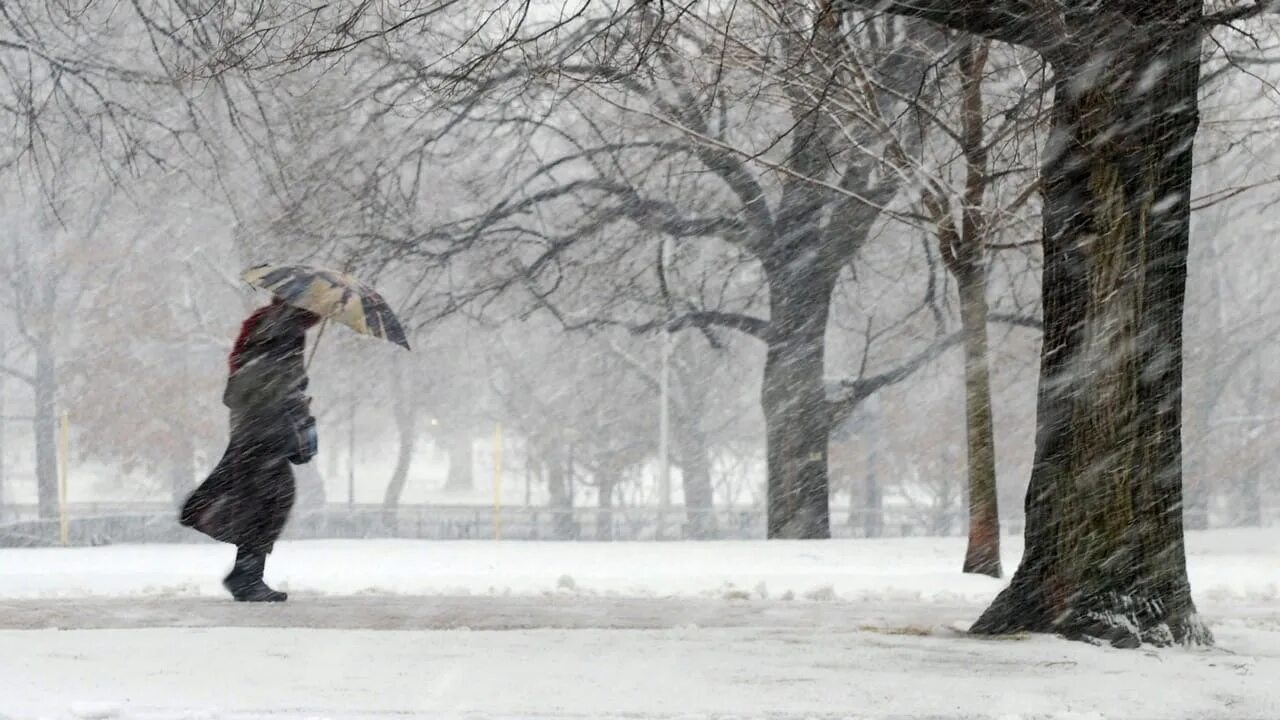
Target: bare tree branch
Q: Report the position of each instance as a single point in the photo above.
(18, 374)
(1239, 14)
(747, 324)
(1016, 320)
(855, 391)
(1032, 23)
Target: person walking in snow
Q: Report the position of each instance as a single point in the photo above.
(246, 500)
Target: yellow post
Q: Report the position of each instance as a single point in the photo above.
(64, 452)
(497, 481)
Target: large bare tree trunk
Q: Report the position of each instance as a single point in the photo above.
(1105, 558)
(796, 411)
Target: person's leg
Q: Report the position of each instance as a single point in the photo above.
(245, 580)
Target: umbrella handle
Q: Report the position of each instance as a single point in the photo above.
(316, 346)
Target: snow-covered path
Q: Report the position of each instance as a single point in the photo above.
(562, 612)
(746, 658)
(478, 631)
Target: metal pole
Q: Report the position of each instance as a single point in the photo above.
(664, 416)
(664, 435)
(64, 450)
(4, 349)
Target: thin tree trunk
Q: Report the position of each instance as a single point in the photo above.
(407, 429)
(983, 554)
(604, 506)
(1250, 501)
(695, 473)
(873, 496)
(459, 446)
(1105, 556)
(46, 432)
(797, 417)
(560, 493)
(1249, 513)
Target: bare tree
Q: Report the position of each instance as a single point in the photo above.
(1105, 557)
(52, 265)
(966, 225)
(799, 219)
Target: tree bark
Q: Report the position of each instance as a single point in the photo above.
(1105, 559)
(983, 553)
(797, 419)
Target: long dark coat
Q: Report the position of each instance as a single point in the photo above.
(247, 498)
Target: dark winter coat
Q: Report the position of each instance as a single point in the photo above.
(247, 498)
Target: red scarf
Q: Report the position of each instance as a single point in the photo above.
(250, 325)
(247, 328)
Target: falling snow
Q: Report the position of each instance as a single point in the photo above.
(521, 359)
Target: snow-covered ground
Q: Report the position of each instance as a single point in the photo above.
(862, 629)
(1225, 565)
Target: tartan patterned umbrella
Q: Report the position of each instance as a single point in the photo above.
(332, 295)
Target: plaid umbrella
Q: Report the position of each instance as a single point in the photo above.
(332, 295)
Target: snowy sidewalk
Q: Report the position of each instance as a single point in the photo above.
(844, 629)
(825, 670)
(475, 613)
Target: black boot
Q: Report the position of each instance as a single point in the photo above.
(245, 580)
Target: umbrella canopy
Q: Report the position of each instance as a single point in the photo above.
(332, 295)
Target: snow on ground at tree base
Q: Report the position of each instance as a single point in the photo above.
(478, 630)
(1225, 566)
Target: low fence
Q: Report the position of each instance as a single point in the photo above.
(108, 523)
